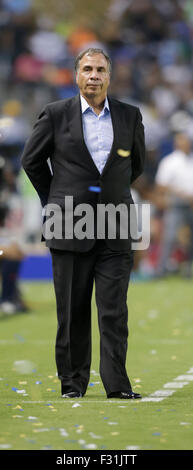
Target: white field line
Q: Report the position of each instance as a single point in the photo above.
(171, 387)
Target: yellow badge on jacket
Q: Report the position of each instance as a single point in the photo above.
(123, 153)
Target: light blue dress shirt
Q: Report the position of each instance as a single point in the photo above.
(98, 132)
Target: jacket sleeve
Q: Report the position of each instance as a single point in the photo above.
(138, 151)
(38, 148)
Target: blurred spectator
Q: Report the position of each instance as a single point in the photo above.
(175, 197)
(11, 251)
(14, 129)
(31, 210)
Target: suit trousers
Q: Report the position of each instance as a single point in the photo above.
(74, 276)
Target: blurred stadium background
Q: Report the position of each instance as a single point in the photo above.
(150, 44)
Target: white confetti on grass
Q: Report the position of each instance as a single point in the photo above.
(93, 372)
(5, 446)
(41, 430)
(94, 436)
(24, 366)
(79, 431)
(90, 446)
(76, 405)
(48, 447)
(63, 432)
(184, 424)
(152, 314)
(132, 448)
(81, 442)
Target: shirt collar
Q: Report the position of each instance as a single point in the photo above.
(85, 106)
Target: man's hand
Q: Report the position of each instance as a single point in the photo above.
(12, 251)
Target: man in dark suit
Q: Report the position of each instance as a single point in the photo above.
(96, 149)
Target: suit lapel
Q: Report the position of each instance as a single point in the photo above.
(76, 130)
(115, 114)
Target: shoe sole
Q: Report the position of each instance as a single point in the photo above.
(67, 396)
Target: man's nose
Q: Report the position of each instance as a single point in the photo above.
(94, 74)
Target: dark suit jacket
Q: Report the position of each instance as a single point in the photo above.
(58, 135)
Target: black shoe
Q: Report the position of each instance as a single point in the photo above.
(72, 395)
(127, 395)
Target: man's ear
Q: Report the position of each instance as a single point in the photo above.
(76, 77)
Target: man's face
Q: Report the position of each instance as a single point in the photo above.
(183, 143)
(93, 76)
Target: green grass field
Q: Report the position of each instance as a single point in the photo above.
(159, 350)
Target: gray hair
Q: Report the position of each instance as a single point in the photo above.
(91, 51)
